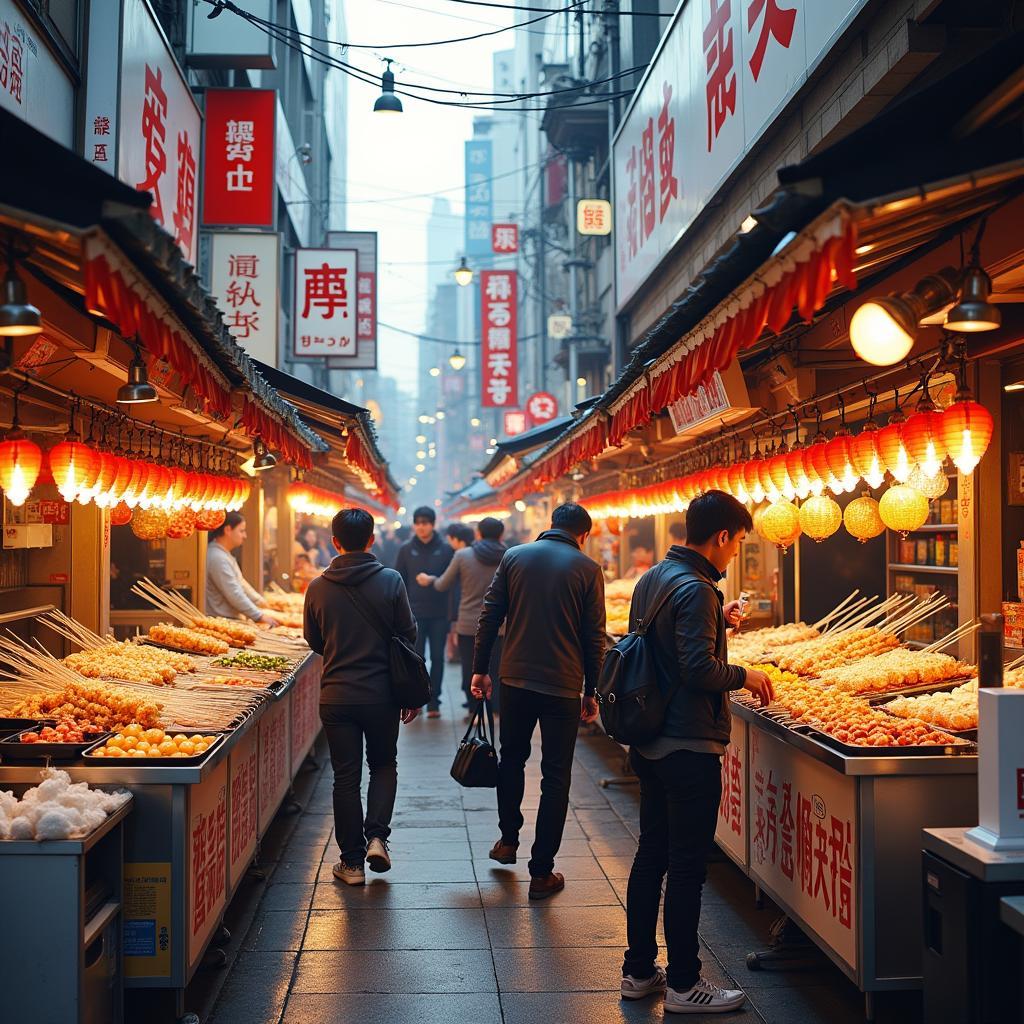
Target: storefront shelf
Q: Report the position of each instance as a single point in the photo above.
(949, 570)
(937, 528)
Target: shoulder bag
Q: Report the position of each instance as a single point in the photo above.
(476, 761)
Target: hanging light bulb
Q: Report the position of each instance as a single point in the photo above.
(456, 360)
(974, 311)
(387, 101)
(463, 273)
(138, 390)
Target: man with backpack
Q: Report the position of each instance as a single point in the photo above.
(550, 595)
(680, 769)
(341, 609)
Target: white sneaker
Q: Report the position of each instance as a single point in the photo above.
(349, 875)
(703, 998)
(377, 856)
(639, 988)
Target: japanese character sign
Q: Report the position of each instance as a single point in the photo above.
(499, 356)
(207, 856)
(479, 197)
(594, 217)
(364, 301)
(12, 64)
(505, 238)
(326, 302)
(515, 423)
(245, 278)
(542, 407)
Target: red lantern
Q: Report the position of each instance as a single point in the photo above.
(736, 488)
(867, 460)
(209, 519)
(817, 457)
(181, 524)
(922, 437)
(20, 462)
(966, 432)
(752, 478)
(100, 491)
(120, 514)
(840, 460)
(764, 472)
(779, 473)
(892, 449)
(797, 473)
(74, 465)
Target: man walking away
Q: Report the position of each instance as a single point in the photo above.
(427, 552)
(355, 694)
(550, 596)
(680, 771)
(471, 571)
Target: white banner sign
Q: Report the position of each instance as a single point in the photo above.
(723, 72)
(731, 831)
(324, 318)
(245, 279)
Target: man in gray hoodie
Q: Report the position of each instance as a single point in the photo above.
(341, 608)
(471, 569)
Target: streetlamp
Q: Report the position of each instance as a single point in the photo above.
(463, 274)
(387, 101)
(457, 360)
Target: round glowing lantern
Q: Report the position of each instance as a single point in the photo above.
(903, 509)
(966, 432)
(930, 486)
(20, 462)
(780, 524)
(820, 517)
(209, 519)
(74, 465)
(839, 456)
(120, 515)
(892, 449)
(867, 460)
(922, 437)
(149, 523)
(862, 518)
(181, 523)
(757, 515)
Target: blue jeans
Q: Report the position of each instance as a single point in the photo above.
(434, 631)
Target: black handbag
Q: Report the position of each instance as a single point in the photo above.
(476, 761)
(410, 680)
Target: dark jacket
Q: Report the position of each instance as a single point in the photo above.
(550, 596)
(432, 558)
(471, 572)
(355, 655)
(690, 645)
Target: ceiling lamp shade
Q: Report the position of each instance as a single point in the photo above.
(780, 524)
(18, 317)
(922, 438)
(892, 449)
(74, 465)
(966, 432)
(903, 509)
(931, 487)
(973, 312)
(20, 462)
(863, 519)
(839, 456)
(138, 390)
(820, 517)
(262, 459)
(865, 455)
(120, 515)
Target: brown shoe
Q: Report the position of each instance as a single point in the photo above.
(548, 885)
(504, 853)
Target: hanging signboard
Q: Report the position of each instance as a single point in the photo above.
(594, 217)
(515, 423)
(724, 70)
(499, 387)
(231, 42)
(542, 407)
(479, 197)
(365, 245)
(245, 280)
(324, 314)
(559, 326)
(239, 189)
(505, 238)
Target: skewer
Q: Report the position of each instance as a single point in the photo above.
(848, 614)
(957, 634)
(820, 624)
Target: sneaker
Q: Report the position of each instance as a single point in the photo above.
(349, 874)
(377, 856)
(703, 998)
(639, 988)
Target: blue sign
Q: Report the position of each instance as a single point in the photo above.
(479, 197)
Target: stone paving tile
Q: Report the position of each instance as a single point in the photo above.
(582, 893)
(408, 929)
(352, 1008)
(404, 970)
(592, 1007)
(557, 926)
(288, 896)
(295, 869)
(574, 868)
(276, 930)
(420, 871)
(580, 969)
(379, 894)
(256, 989)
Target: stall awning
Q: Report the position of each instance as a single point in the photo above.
(514, 452)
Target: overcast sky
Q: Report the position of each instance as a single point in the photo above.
(393, 160)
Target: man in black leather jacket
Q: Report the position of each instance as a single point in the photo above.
(680, 771)
(550, 595)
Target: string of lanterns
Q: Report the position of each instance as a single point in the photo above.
(309, 500)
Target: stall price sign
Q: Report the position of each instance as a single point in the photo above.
(731, 831)
(499, 388)
(207, 857)
(239, 189)
(305, 698)
(245, 279)
(273, 772)
(324, 314)
(505, 238)
(802, 819)
(243, 795)
(542, 407)
(147, 919)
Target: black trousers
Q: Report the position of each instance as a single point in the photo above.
(347, 726)
(559, 719)
(679, 797)
(466, 647)
(434, 631)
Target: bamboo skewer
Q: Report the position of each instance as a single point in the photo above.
(957, 634)
(820, 624)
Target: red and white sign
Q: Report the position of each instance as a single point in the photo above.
(239, 189)
(243, 794)
(505, 238)
(56, 513)
(731, 832)
(245, 279)
(542, 407)
(594, 217)
(207, 857)
(324, 315)
(803, 839)
(273, 774)
(305, 698)
(516, 423)
(722, 74)
(499, 353)
(365, 244)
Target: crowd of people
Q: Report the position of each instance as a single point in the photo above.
(529, 623)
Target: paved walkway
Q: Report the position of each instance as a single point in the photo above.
(449, 936)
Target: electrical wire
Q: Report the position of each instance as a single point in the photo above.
(445, 341)
(526, 10)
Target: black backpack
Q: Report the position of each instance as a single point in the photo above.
(632, 704)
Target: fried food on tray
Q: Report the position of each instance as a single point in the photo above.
(187, 639)
(895, 670)
(813, 657)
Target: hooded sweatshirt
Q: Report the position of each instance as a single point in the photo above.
(355, 654)
(472, 569)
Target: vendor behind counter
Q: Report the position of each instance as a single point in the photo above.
(228, 593)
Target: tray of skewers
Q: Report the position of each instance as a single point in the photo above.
(62, 740)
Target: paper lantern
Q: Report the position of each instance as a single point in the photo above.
(797, 472)
(966, 433)
(780, 524)
(120, 515)
(817, 457)
(892, 449)
(74, 465)
(757, 515)
(209, 519)
(922, 437)
(20, 462)
(736, 487)
(149, 523)
(820, 517)
(752, 478)
(99, 492)
(867, 461)
(778, 472)
(903, 509)
(931, 487)
(862, 518)
(181, 524)
(839, 457)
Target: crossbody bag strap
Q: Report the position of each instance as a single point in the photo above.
(644, 622)
(371, 617)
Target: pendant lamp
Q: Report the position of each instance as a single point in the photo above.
(903, 509)
(820, 517)
(863, 519)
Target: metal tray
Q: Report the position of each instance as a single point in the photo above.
(195, 759)
(957, 747)
(882, 696)
(10, 726)
(13, 751)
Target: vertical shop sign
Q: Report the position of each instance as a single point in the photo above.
(273, 771)
(802, 821)
(723, 72)
(238, 158)
(305, 697)
(324, 314)
(365, 245)
(479, 197)
(207, 857)
(243, 794)
(499, 387)
(245, 279)
(731, 831)
(505, 238)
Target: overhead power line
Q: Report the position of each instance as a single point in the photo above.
(526, 10)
